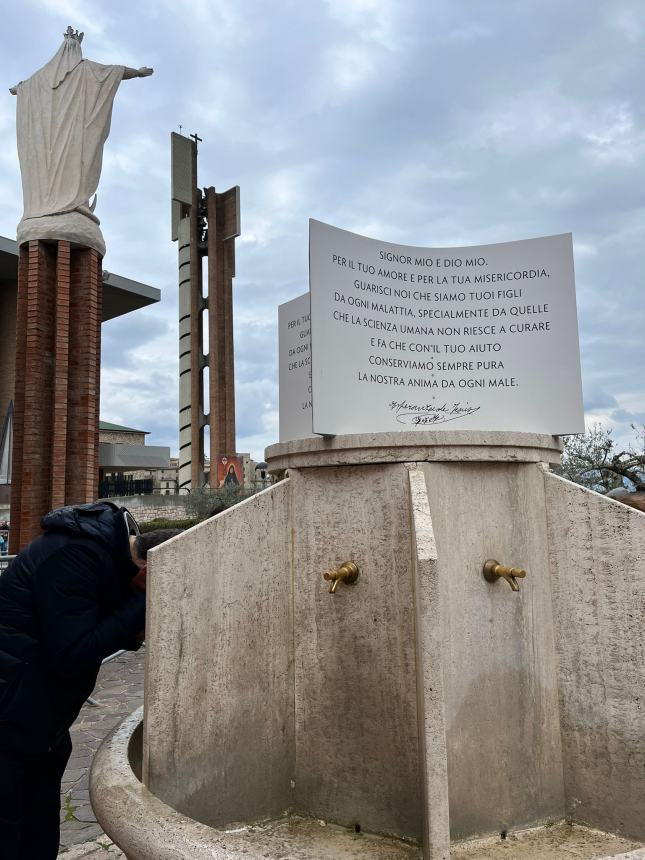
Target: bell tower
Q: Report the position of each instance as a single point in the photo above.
(205, 224)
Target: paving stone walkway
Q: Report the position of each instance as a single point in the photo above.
(118, 692)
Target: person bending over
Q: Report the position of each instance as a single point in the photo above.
(72, 597)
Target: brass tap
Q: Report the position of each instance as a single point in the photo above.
(346, 573)
(493, 570)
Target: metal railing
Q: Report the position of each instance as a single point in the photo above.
(111, 487)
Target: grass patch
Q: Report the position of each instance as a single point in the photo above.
(69, 808)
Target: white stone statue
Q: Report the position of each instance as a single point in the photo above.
(63, 119)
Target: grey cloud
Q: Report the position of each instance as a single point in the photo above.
(621, 416)
(438, 124)
(596, 397)
(123, 336)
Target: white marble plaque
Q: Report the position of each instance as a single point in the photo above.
(295, 369)
(477, 338)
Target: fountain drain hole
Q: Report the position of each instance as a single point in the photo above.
(357, 828)
(503, 834)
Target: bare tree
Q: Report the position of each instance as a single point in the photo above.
(593, 461)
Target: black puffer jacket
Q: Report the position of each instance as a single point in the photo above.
(65, 605)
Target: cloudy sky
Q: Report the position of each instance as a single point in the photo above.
(425, 122)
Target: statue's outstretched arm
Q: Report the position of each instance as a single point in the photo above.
(143, 72)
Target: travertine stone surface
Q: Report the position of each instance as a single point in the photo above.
(219, 736)
(430, 600)
(597, 549)
(498, 652)
(414, 446)
(422, 700)
(557, 842)
(356, 710)
(148, 829)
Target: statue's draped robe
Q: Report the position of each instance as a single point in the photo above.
(63, 119)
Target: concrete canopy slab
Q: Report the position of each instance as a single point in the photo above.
(120, 295)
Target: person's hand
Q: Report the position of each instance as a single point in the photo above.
(145, 71)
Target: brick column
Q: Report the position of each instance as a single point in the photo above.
(82, 473)
(61, 372)
(223, 227)
(58, 342)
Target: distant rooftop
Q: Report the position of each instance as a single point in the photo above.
(120, 295)
(105, 425)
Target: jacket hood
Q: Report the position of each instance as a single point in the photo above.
(103, 522)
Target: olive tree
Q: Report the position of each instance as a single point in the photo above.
(592, 460)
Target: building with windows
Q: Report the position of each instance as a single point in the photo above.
(127, 466)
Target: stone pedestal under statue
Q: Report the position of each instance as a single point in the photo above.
(58, 358)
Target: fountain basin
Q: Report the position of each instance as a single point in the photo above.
(145, 828)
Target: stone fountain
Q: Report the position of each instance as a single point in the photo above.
(330, 674)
